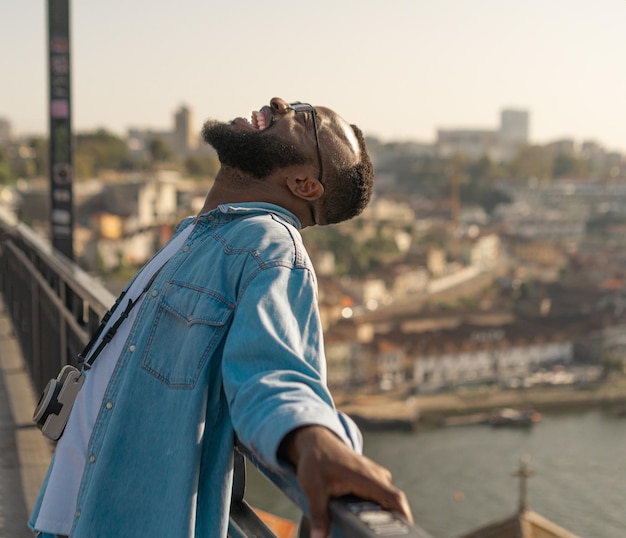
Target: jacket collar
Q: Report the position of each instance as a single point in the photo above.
(252, 208)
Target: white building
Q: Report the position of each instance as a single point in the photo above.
(514, 127)
(470, 143)
(486, 365)
(500, 144)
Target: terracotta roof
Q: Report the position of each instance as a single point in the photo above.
(526, 524)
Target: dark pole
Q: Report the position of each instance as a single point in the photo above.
(60, 136)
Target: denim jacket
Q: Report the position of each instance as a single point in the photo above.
(228, 340)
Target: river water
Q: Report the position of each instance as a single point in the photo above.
(460, 478)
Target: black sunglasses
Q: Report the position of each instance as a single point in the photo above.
(306, 107)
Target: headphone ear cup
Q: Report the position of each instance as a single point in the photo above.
(45, 405)
(64, 373)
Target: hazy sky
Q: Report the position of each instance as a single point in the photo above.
(400, 69)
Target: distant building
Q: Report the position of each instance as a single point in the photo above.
(389, 210)
(185, 136)
(141, 204)
(485, 252)
(524, 523)
(489, 361)
(562, 147)
(139, 140)
(513, 132)
(590, 148)
(500, 144)
(471, 143)
(601, 162)
(182, 139)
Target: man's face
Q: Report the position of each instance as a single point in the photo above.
(246, 146)
(282, 135)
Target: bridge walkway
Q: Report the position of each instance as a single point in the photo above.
(24, 452)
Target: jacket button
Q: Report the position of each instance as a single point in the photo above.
(186, 248)
(155, 293)
(131, 348)
(109, 405)
(92, 458)
(77, 514)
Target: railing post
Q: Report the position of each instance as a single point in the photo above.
(243, 521)
(36, 359)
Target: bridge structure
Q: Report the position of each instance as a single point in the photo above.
(49, 309)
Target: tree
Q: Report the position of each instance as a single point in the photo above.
(100, 151)
(5, 170)
(568, 166)
(533, 162)
(612, 364)
(202, 165)
(160, 151)
(38, 157)
(356, 258)
(478, 187)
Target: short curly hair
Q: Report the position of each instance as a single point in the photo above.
(348, 189)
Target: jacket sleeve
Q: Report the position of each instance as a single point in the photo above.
(274, 368)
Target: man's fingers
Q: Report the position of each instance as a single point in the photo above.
(327, 468)
(318, 533)
(383, 493)
(402, 506)
(318, 507)
(375, 487)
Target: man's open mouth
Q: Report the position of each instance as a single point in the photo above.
(261, 119)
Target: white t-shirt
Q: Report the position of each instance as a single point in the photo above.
(58, 506)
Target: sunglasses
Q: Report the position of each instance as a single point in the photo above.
(299, 107)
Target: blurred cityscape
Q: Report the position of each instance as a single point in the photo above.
(483, 259)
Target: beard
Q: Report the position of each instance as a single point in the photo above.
(253, 152)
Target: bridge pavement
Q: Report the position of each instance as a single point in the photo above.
(24, 452)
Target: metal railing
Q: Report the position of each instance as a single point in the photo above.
(55, 307)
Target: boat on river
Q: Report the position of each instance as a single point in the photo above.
(513, 417)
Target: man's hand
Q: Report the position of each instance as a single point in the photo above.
(327, 468)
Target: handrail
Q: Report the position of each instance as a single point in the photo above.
(56, 306)
(350, 516)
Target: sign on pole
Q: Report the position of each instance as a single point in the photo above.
(61, 169)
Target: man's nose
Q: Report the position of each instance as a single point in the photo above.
(279, 106)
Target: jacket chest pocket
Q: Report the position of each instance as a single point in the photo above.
(188, 325)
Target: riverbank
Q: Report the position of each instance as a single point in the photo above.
(391, 411)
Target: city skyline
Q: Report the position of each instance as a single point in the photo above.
(400, 73)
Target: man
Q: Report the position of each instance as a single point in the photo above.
(222, 338)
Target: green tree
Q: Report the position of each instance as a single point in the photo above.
(202, 165)
(533, 162)
(100, 151)
(159, 151)
(478, 185)
(5, 169)
(40, 149)
(612, 364)
(569, 166)
(84, 165)
(351, 257)
(29, 160)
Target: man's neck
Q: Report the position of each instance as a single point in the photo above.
(232, 186)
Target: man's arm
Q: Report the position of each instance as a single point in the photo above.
(326, 467)
(273, 374)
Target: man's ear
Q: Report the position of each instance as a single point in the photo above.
(307, 188)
